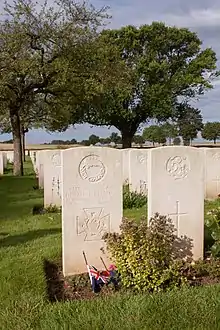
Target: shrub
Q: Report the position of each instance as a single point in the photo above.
(132, 199)
(148, 257)
(40, 209)
(213, 223)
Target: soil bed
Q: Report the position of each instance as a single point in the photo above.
(78, 287)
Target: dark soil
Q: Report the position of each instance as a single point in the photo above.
(78, 287)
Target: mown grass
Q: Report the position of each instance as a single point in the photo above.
(26, 240)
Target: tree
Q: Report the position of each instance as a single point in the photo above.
(170, 131)
(162, 65)
(93, 139)
(189, 122)
(211, 131)
(39, 50)
(154, 134)
(176, 141)
(138, 139)
(114, 137)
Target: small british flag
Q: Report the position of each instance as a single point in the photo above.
(97, 278)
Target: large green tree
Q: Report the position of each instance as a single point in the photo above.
(163, 66)
(154, 134)
(40, 49)
(170, 131)
(189, 122)
(211, 131)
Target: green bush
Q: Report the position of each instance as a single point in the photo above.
(213, 223)
(149, 257)
(132, 199)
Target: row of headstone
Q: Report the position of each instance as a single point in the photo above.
(135, 164)
(87, 182)
(92, 198)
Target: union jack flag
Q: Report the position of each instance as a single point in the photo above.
(97, 278)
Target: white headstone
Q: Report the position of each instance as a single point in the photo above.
(1, 164)
(125, 164)
(10, 156)
(212, 172)
(40, 167)
(33, 159)
(91, 204)
(176, 189)
(5, 160)
(52, 178)
(138, 177)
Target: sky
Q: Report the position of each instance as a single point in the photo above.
(201, 16)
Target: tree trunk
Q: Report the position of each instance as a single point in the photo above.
(214, 141)
(126, 139)
(23, 142)
(16, 133)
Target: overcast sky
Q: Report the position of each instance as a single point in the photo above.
(202, 16)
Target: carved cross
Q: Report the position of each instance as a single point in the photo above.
(177, 215)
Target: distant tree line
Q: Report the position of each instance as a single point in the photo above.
(186, 129)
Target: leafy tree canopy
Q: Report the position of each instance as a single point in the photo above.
(211, 131)
(154, 134)
(189, 122)
(162, 65)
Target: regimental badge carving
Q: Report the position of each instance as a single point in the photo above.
(55, 159)
(178, 167)
(92, 169)
(216, 156)
(142, 158)
(93, 223)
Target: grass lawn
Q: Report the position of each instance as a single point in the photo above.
(26, 240)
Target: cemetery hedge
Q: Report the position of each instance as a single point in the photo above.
(27, 240)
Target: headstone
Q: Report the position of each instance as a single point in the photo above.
(40, 167)
(1, 164)
(125, 164)
(52, 178)
(5, 160)
(212, 172)
(176, 189)
(10, 156)
(91, 204)
(138, 177)
(33, 159)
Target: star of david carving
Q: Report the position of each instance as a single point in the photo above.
(93, 223)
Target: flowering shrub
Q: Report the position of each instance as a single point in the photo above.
(213, 223)
(148, 256)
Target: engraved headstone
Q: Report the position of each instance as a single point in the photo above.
(91, 204)
(176, 189)
(212, 172)
(138, 180)
(52, 178)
